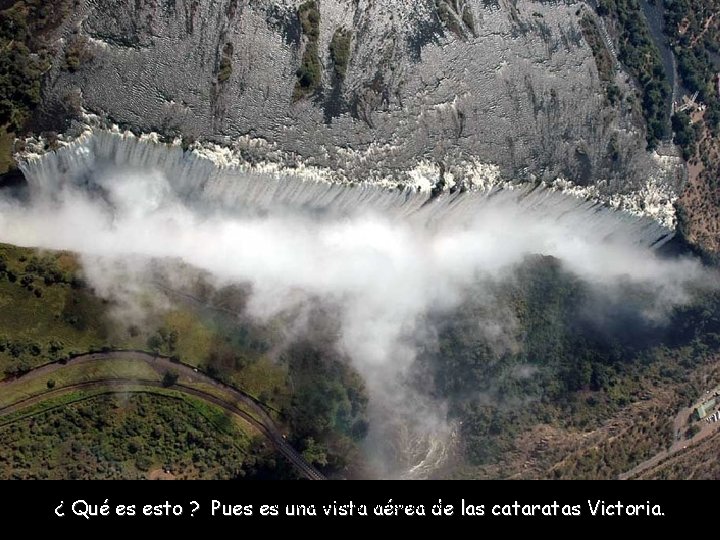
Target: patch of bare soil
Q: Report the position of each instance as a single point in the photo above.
(701, 197)
(696, 462)
(160, 474)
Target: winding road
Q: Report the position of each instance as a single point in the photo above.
(257, 414)
(681, 444)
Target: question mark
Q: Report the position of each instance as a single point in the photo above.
(197, 507)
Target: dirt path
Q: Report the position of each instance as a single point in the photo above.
(679, 444)
(686, 453)
(258, 416)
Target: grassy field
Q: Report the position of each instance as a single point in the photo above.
(226, 348)
(36, 384)
(60, 401)
(47, 312)
(70, 375)
(42, 319)
(265, 380)
(195, 339)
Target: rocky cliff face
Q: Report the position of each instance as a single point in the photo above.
(363, 86)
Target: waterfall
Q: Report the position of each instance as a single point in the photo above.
(215, 183)
(383, 256)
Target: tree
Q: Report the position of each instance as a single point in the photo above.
(314, 453)
(172, 339)
(169, 379)
(155, 342)
(51, 384)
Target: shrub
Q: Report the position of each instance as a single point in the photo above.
(638, 53)
(225, 68)
(309, 73)
(340, 51)
(169, 379)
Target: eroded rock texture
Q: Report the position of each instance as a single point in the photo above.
(512, 83)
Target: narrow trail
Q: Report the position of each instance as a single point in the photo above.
(679, 446)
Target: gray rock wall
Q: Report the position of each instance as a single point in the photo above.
(519, 89)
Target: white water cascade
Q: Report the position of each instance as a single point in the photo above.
(211, 183)
(386, 255)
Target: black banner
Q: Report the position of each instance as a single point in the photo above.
(426, 505)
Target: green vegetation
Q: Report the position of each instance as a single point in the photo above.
(72, 375)
(7, 141)
(225, 68)
(575, 360)
(24, 27)
(695, 37)
(169, 379)
(686, 134)
(19, 85)
(164, 341)
(340, 51)
(693, 430)
(603, 59)
(327, 413)
(45, 310)
(314, 453)
(310, 71)
(201, 326)
(76, 53)
(693, 30)
(183, 333)
(310, 19)
(700, 462)
(48, 404)
(20, 71)
(132, 436)
(638, 53)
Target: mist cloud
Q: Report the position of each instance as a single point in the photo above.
(384, 272)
